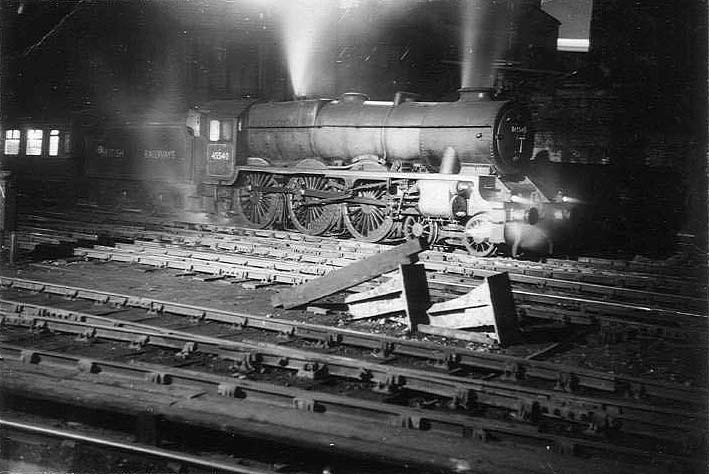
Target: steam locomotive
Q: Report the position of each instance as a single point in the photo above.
(451, 173)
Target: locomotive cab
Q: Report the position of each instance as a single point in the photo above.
(217, 128)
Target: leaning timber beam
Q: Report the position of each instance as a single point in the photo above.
(349, 276)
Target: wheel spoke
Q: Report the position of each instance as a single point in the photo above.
(251, 204)
(305, 214)
(476, 244)
(368, 222)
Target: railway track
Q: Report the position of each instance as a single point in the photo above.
(680, 279)
(647, 319)
(450, 357)
(447, 388)
(403, 434)
(316, 256)
(283, 257)
(430, 422)
(606, 413)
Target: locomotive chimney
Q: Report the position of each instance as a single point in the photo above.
(475, 94)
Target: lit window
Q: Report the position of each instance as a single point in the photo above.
(214, 130)
(220, 130)
(34, 142)
(54, 143)
(12, 142)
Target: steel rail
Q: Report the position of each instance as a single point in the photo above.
(514, 367)
(130, 447)
(572, 285)
(329, 405)
(526, 401)
(562, 269)
(593, 306)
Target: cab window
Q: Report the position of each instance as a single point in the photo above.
(12, 142)
(220, 130)
(214, 130)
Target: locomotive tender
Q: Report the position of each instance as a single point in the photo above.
(452, 173)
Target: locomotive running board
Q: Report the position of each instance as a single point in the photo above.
(338, 173)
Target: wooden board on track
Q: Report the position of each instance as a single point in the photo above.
(349, 276)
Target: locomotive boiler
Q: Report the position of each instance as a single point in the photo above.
(452, 173)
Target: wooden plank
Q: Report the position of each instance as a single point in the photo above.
(490, 304)
(479, 337)
(347, 277)
(415, 294)
(506, 323)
